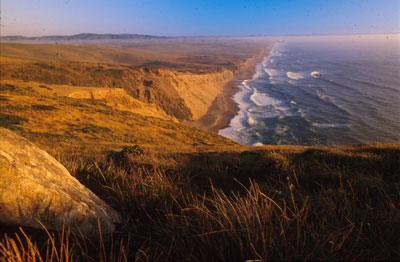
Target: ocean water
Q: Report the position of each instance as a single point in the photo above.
(322, 91)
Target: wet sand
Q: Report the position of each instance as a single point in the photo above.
(223, 108)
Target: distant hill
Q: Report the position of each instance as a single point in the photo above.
(84, 37)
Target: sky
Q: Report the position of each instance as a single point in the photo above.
(200, 17)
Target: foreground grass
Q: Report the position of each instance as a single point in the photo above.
(268, 204)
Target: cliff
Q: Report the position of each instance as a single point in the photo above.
(181, 95)
(178, 79)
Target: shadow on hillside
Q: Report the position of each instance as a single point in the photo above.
(313, 167)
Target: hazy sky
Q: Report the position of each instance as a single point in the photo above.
(199, 18)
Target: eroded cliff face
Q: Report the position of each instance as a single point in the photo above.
(199, 91)
(119, 99)
(184, 95)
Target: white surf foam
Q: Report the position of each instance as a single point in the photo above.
(259, 72)
(252, 121)
(316, 74)
(303, 114)
(246, 85)
(262, 99)
(295, 75)
(265, 62)
(281, 130)
(236, 127)
(330, 125)
(326, 97)
(275, 52)
(272, 73)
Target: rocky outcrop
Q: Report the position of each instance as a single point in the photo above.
(36, 189)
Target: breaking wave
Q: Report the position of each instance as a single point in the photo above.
(316, 74)
(288, 101)
(294, 75)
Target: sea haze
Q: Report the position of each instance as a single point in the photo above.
(322, 90)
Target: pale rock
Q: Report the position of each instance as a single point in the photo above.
(36, 187)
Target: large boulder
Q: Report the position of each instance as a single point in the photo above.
(36, 189)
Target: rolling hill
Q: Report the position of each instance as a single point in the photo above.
(83, 36)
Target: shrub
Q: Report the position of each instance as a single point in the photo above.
(10, 121)
(8, 87)
(43, 107)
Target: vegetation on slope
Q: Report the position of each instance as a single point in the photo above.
(274, 203)
(58, 121)
(183, 79)
(186, 193)
(136, 82)
(83, 36)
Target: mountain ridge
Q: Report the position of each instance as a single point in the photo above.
(82, 36)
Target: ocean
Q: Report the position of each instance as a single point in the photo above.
(322, 90)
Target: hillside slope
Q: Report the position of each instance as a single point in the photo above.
(185, 193)
(83, 36)
(182, 84)
(58, 122)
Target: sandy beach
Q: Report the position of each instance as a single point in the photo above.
(223, 108)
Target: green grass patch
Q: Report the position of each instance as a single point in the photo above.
(50, 135)
(15, 108)
(89, 129)
(77, 103)
(11, 121)
(8, 87)
(4, 98)
(43, 107)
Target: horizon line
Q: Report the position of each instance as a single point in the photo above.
(205, 36)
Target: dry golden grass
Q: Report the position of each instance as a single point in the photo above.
(183, 95)
(51, 120)
(106, 103)
(117, 98)
(276, 203)
(81, 53)
(186, 194)
(185, 54)
(182, 77)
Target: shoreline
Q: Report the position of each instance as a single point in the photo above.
(223, 108)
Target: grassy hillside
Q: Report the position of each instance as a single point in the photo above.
(189, 194)
(56, 121)
(113, 115)
(193, 55)
(182, 82)
(78, 37)
(271, 203)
